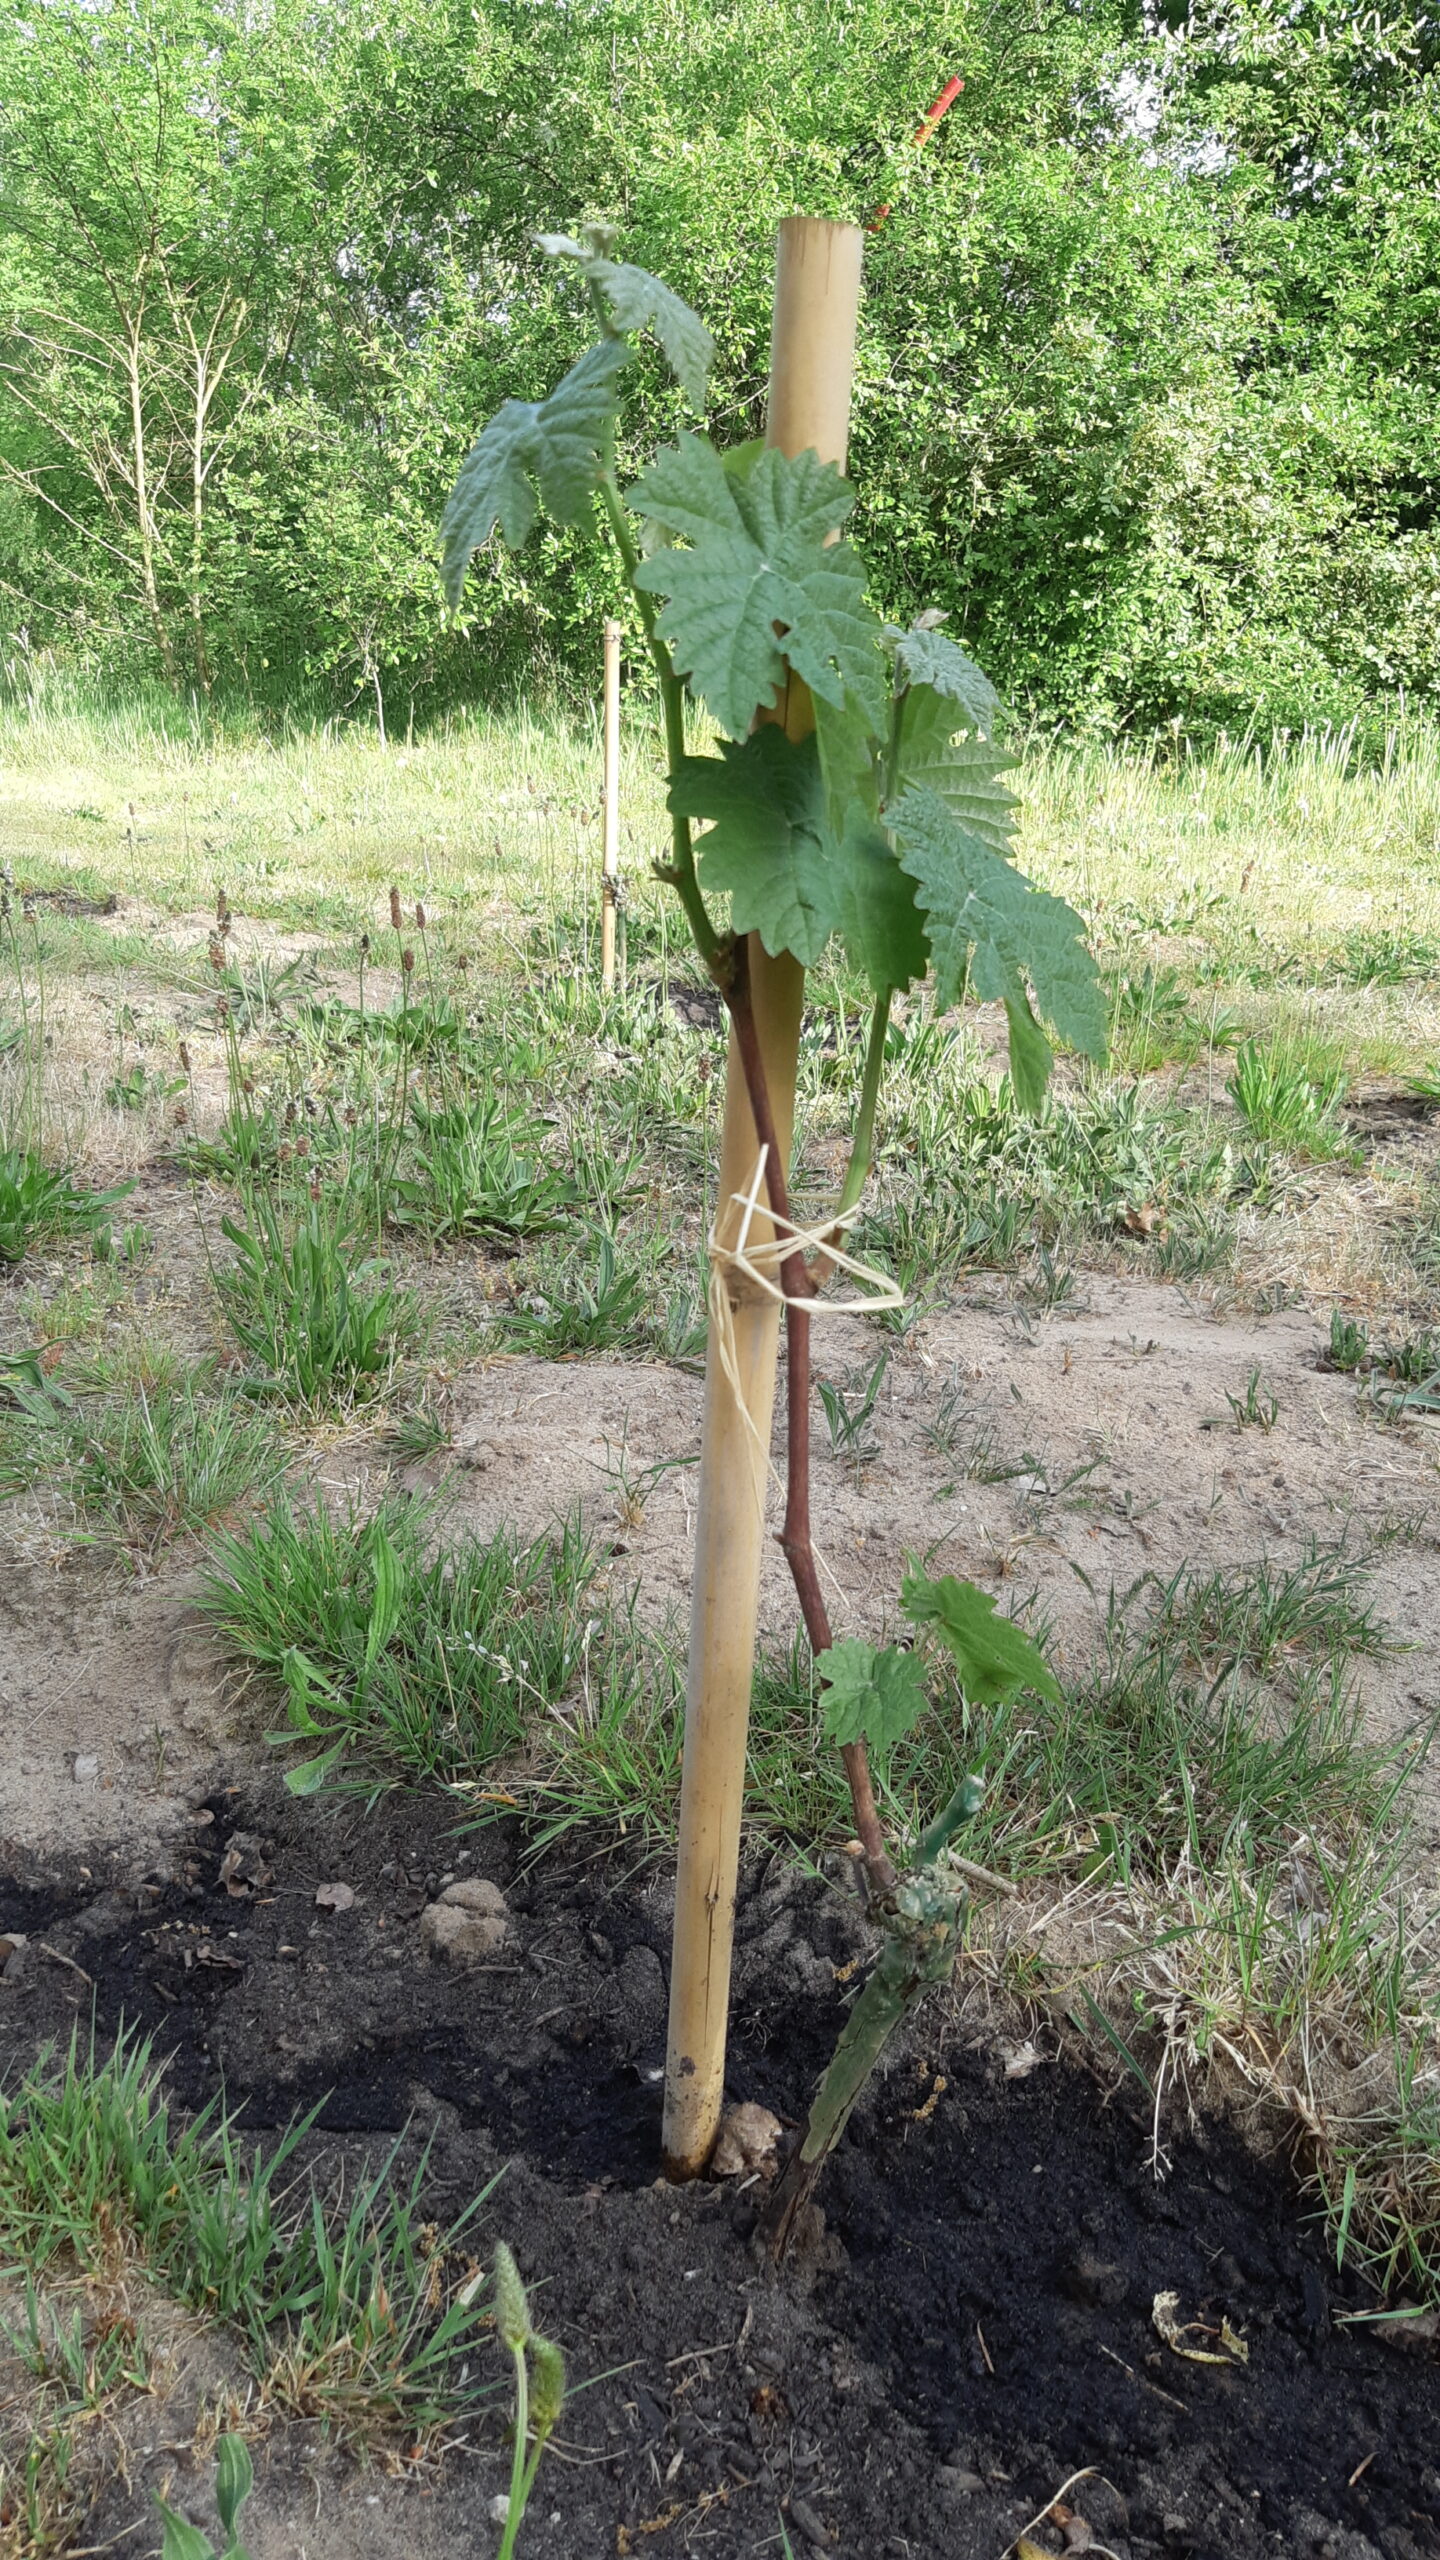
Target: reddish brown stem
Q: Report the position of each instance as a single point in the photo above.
(796, 1543)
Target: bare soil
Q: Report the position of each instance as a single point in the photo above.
(974, 2326)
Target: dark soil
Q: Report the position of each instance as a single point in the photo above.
(974, 2326)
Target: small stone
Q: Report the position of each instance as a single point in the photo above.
(806, 2521)
(499, 2509)
(334, 1897)
(952, 2482)
(12, 1955)
(86, 1768)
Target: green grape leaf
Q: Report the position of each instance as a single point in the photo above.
(926, 657)
(976, 901)
(758, 586)
(848, 759)
(872, 1693)
(767, 843)
(883, 928)
(994, 1657)
(1031, 1056)
(553, 446)
(960, 771)
(640, 301)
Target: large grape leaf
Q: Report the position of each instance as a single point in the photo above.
(767, 844)
(873, 1692)
(552, 446)
(760, 582)
(925, 656)
(993, 1656)
(976, 903)
(876, 912)
(963, 771)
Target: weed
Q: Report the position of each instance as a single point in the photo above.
(1196, 1247)
(1290, 1098)
(419, 1431)
(1266, 1614)
(141, 1087)
(84, 2362)
(1050, 1284)
(477, 1169)
(1255, 1406)
(418, 1664)
(234, 2480)
(1349, 1348)
(635, 1485)
(1153, 1021)
(311, 1307)
(569, 1310)
(1381, 956)
(849, 1424)
(539, 2391)
(43, 1204)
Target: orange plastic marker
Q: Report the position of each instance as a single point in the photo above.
(923, 131)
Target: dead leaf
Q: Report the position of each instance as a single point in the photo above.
(1021, 2060)
(1232, 2349)
(244, 1869)
(334, 1897)
(214, 1956)
(1146, 1221)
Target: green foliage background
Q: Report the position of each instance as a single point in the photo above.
(1147, 379)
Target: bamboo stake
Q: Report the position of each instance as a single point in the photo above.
(817, 296)
(610, 823)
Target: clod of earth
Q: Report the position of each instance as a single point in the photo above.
(748, 2143)
(469, 1921)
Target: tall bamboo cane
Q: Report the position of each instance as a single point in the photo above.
(817, 297)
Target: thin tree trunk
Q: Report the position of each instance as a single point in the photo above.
(141, 480)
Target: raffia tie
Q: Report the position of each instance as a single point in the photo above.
(747, 1271)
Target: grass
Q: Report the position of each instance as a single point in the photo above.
(1267, 1615)
(349, 2306)
(141, 1468)
(400, 1654)
(311, 1307)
